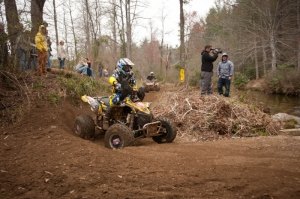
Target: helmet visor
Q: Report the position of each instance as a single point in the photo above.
(127, 68)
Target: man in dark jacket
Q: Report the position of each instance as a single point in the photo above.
(207, 69)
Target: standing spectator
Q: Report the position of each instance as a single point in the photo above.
(89, 70)
(3, 47)
(207, 69)
(42, 49)
(225, 71)
(100, 69)
(49, 52)
(61, 55)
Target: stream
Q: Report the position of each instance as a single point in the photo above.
(276, 103)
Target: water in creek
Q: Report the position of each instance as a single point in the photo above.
(276, 103)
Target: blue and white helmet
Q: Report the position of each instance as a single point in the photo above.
(124, 65)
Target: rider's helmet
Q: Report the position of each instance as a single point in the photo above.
(124, 65)
(152, 73)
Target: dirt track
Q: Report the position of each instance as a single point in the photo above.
(47, 161)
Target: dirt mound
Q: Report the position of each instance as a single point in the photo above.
(212, 117)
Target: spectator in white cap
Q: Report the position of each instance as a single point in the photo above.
(225, 72)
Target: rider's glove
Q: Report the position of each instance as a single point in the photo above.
(132, 81)
(118, 86)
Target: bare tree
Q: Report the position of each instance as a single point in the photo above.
(162, 32)
(55, 24)
(181, 24)
(73, 31)
(37, 7)
(128, 28)
(298, 33)
(13, 22)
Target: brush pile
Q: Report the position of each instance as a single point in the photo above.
(213, 117)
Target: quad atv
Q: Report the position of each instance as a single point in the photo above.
(128, 121)
(151, 85)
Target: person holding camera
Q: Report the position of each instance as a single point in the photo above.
(225, 71)
(207, 68)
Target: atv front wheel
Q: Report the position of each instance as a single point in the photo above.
(84, 126)
(168, 131)
(118, 136)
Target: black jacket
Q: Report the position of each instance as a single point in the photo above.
(207, 61)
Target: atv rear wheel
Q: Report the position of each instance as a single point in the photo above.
(118, 136)
(84, 126)
(168, 131)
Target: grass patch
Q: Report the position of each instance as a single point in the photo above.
(77, 86)
(53, 98)
(290, 124)
(37, 85)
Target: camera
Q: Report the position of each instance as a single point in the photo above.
(217, 50)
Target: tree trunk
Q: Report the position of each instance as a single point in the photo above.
(114, 31)
(264, 59)
(128, 29)
(87, 28)
(55, 24)
(73, 31)
(66, 35)
(298, 22)
(273, 51)
(37, 7)
(256, 59)
(181, 48)
(122, 32)
(13, 23)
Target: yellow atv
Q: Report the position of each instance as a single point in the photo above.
(128, 121)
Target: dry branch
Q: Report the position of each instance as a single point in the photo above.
(211, 117)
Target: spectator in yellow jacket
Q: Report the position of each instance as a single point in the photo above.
(42, 49)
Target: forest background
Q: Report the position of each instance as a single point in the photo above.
(262, 38)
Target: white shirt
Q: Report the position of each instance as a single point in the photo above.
(61, 52)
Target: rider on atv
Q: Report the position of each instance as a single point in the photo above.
(120, 79)
(151, 76)
(123, 82)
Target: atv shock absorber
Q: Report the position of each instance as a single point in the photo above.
(130, 120)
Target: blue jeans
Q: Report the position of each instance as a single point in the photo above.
(224, 82)
(61, 63)
(49, 60)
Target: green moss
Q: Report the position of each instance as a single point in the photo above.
(290, 124)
